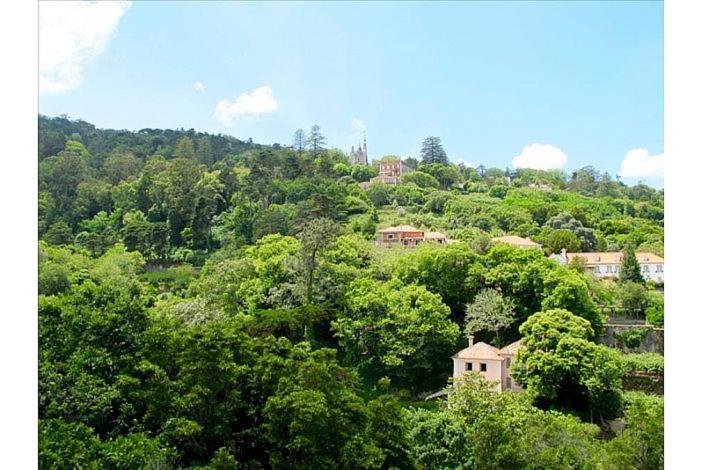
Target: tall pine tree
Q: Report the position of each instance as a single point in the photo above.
(631, 271)
(432, 151)
(299, 142)
(316, 141)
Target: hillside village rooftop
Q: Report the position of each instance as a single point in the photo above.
(517, 241)
(408, 236)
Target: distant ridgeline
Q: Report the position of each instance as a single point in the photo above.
(209, 148)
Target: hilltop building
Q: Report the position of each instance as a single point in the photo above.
(391, 172)
(517, 241)
(408, 236)
(493, 364)
(359, 156)
(609, 264)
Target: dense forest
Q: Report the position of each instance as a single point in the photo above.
(207, 302)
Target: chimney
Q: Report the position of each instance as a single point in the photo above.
(470, 340)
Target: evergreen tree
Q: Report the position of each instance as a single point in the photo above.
(432, 151)
(184, 148)
(316, 141)
(204, 151)
(631, 271)
(299, 142)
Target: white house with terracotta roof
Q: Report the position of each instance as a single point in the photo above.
(608, 264)
(492, 363)
(408, 236)
(517, 241)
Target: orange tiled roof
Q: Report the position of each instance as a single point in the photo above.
(479, 350)
(400, 228)
(434, 235)
(515, 240)
(612, 257)
(511, 348)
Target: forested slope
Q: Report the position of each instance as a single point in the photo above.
(212, 303)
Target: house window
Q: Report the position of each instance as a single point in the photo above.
(508, 362)
(390, 237)
(509, 382)
(483, 367)
(469, 366)
(645, 268)
(616, 269)
(609, 268)
(597, 269)
(659, 268)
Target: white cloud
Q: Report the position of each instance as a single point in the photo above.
(358, 125)
(259, 101)
(540, 157)
(71, 34)
(198, 86)
(638, 163)
(466, 163)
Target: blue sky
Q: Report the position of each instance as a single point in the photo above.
(583, 79)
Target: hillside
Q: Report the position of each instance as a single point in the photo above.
(212, 303)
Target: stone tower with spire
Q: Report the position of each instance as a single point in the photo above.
(359, 156)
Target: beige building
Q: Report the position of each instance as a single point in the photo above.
(493, 364)
(608, 264)
(517, 241)
(408, 236)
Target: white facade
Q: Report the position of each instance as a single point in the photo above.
(608, 264)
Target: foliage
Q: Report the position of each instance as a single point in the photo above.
(560, 364)
(654, 311)
(563, 239)
(640, 444)
(440, 440)
(196, 289)
(633, 337)
(489, 311)
(646, 363)
(631, 297)
(421, 179)
(432, 151)
(506, 431)
(442, 271)
(403, 332)
(566, 221)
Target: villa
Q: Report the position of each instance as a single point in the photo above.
(492, 363)
(391, 172)
(408, 236)
(608, 264)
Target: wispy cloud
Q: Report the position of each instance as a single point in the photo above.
(358, 125)
(638, 163)
(253, 104)
(466, 163)
(540, 157)
(71, 34)
(198, 86)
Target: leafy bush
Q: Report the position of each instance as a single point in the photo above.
(643, 363)
(632, 338)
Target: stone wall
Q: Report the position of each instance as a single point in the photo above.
(615, 332)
